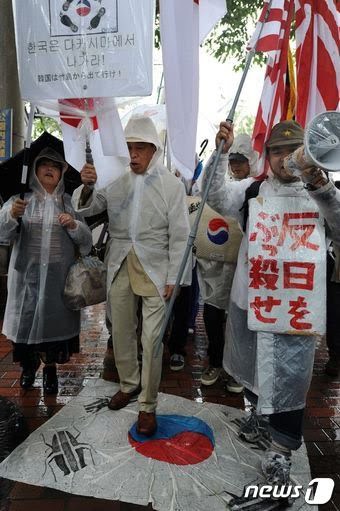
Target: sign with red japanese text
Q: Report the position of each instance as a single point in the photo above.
(84, 48)
(287, 266)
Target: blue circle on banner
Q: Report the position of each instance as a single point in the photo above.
(179, 440)
(218, 231)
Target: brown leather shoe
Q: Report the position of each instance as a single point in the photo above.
(147, 424)
(121, 399)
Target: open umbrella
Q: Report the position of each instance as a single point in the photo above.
(11, 169)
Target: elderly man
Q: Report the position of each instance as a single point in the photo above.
(148, 230)
(275, 367)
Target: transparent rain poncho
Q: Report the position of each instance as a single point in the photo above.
(42, 254)
(265, 362)
(147, 212)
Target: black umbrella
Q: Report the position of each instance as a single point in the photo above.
(11, 169)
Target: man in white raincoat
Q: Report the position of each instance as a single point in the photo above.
(276, 369)
(148, 230)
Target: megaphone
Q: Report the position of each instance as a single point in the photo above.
(321, 145)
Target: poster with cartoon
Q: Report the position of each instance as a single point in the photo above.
(84, 48)
(287, 266)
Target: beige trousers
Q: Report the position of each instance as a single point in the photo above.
(124, 323)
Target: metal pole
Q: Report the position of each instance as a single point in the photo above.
(28, 140)
(193, 232)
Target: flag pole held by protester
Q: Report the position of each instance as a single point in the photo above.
(194, 228)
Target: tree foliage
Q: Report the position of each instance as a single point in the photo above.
(230, 36)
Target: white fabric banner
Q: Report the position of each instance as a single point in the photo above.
(195, 461)
(287, 266)
(211, 11)
(183, 25)
(179, 22)
(84, 48)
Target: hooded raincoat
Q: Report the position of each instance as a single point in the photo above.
(266, 363)
(242, 144)
(147, 212)
(42, 253)
(215, 277)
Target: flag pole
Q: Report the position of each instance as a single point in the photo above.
(24, 174)
(194, 229)
(27, 146)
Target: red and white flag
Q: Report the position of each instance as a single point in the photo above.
(271, 108)
(182, 24)
(97, 119)
(317, 58)
(268, 31)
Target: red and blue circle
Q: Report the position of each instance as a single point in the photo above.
(179, 440)
(218, 231)
(83, 7)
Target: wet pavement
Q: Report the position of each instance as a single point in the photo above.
(321, 426)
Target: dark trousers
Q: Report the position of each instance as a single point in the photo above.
(333, 311)
(181, 318)
(285, 427)
(214, 321)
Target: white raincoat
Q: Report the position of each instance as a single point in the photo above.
(215, 278)
(42, 254)
(266, 363)
(147, 212)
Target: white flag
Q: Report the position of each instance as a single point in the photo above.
(102, 125)
(211, 11)
(179, 23)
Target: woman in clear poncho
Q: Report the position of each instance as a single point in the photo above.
(36, 319)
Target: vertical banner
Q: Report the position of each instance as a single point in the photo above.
(6, 122)
(287, 266)
(84, 48)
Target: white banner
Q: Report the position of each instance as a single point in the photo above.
(287, 266)
(84, 48)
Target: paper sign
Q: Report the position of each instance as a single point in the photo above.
(287, 266)
(84, 48)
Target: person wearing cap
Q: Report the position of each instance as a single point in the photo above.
(275, 369)
(44, 247)
(148, 231)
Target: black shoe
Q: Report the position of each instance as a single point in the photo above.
(50, 380)
(27, 377)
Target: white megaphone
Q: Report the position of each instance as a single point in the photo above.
(321, 145)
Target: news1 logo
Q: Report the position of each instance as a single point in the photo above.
(319, 490)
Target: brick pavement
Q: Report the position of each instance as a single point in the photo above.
(321, 430)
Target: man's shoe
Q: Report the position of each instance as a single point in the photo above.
(254, 428)
(146, 424)
(122, 399)
(233, 386)
(50, 380)
(210, 375)
(176, 362)
(276, 468)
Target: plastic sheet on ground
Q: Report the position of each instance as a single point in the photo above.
(194, 463)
